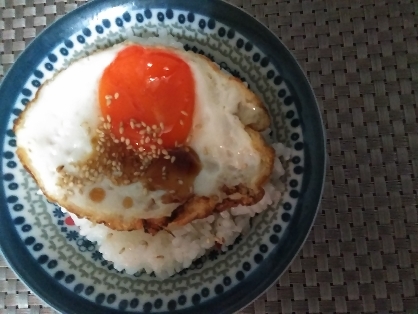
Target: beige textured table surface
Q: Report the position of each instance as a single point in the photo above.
(361, 57)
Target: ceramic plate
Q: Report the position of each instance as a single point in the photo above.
(66, 270)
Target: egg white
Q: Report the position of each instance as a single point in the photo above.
(57, 127)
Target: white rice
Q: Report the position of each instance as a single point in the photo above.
(166, 254)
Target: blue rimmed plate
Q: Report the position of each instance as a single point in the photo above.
(66, 270)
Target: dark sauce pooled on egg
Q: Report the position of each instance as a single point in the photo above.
(175, 175)
(173, 170)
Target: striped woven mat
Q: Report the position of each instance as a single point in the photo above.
(361, 58)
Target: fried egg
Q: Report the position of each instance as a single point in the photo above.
(141, 136)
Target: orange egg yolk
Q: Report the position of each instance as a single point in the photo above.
(147, 95)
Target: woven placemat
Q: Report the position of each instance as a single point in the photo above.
(361, 58)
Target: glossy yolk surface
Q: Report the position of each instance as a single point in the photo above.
(148, 92)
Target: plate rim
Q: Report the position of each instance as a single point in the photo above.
(262, 37)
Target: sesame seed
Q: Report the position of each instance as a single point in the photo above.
(150, 179)
(165, 152)
(153, 147)
(116, 95)
(184, 113)
(162, 125)
(108, 97)
(127, 141)
(108, 102)
(108, 118)
(102, 119)
(173, 159)
(143, 124)
(129, 147)
(138, 125)
(166, 157)
(163, 169)
(172, 191)
(148, 130)
(142, 131)
(180, 182)
(122, 139)
(147, 139)
(181, 122)
(159, 141)
(121, 130)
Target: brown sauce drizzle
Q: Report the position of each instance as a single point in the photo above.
(97, 195)
(173, 170)
(175, 175)
(127, 202)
